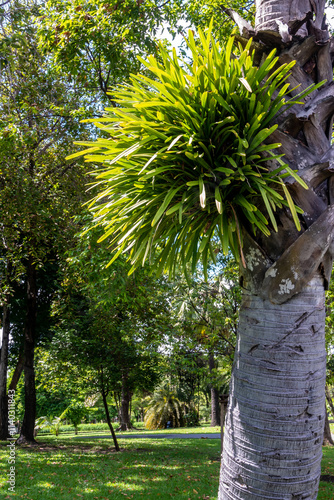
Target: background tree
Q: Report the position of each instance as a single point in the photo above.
(164, 407)
(38, 188)
(208, 314)
(97, 42)
(114, 321)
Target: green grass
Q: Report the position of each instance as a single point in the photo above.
(326, 490)
(68, 468)
(103, 429)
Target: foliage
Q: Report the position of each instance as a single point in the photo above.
(329, 331)
(39, 119)
(163, 407)
(108, 325)
(52, 424)
(191, 418)
(75, 413)
(186, 159)
(57, 383)
(96, 42)
(207, 311)
(39, 190)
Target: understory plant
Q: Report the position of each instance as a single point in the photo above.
(185, 163)
(163, 407)
(52, 424)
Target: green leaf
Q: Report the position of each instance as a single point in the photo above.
(292, 207)
(169, 196)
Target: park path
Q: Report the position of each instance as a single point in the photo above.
(156, 436)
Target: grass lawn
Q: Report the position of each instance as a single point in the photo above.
(68, 468)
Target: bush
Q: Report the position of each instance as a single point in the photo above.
(192, 418)
(164, 407)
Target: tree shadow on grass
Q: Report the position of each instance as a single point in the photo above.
(160, 469)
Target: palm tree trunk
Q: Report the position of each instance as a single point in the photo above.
(275, 419)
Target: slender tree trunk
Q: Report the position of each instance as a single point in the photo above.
(275, 420)
(215, 413)
(105, 404)
(117, 401)
(104, 391)
(28, 425)
(17, 373)
(3, 373)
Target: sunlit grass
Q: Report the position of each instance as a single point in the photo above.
(71, 468)
(103, 430)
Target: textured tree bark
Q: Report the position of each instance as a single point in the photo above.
(28, 425)
(215, 413)
(275, 418)
(3, 373)
(124, 414)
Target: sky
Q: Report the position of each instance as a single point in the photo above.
(330, 16)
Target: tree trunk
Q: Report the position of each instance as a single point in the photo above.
(17, 373)
(3, 373)
(223, 405)
(329, 399)
(28, 425)
(328, 440)
(124, 415)
(215, 413)
(275, 419)
(105, 404)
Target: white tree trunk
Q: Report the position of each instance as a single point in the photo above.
(275, 420)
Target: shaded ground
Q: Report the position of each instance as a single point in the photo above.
(327, 478)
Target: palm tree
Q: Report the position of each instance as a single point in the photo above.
(275, 421)
(196, 156)
(162, 408)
